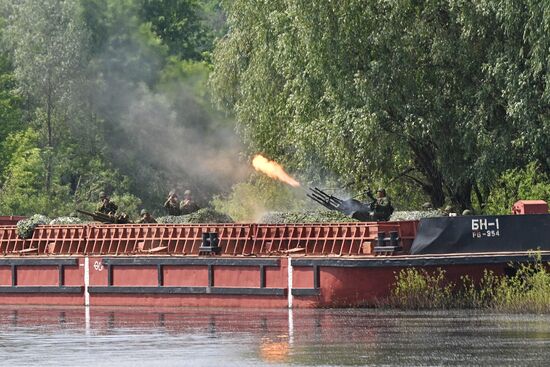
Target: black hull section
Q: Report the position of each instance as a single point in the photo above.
(474, 234)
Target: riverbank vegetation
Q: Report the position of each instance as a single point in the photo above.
(443, 101)
(527, 290)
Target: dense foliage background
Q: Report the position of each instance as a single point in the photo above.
(444, 101)
(108, 95)
(441, 97)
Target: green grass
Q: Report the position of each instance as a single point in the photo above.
(527, 291)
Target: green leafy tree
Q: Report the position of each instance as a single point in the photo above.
(528, 183)
(73, 75)
(10, 105)
(22, 191)
(418, 92)
(179, 25)
(68, 137)
(47, 38)
(152, 104)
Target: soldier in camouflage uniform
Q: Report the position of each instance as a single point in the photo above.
(106, 206)
(172, 204)
(146, 217)
(187, 205)
(381, 205)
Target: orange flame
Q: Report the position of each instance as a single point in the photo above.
(273, 170)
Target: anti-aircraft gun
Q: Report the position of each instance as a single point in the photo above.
(351, 207)
(106, 218)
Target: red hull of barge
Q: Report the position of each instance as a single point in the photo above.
(159, 265)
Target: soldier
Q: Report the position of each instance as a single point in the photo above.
(381, 205)
(172, 204)
(106, 206)
(146, 217)
(187, 205)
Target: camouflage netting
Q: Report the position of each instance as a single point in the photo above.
(26, 227)
(319, 216)
(415, 215)
(67, 220)
(205, 215)
(172, 219)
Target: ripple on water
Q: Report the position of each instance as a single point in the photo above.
(250, 337)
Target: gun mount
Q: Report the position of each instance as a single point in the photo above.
(106, 218)
(350, 207)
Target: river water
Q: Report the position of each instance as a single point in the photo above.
(252, 337)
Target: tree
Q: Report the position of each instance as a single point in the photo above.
(23, 176)
(10, 105)
(75, 75)
(525, 183)
(179, 25)
(150, 108)
(48, 42)
(420, 92)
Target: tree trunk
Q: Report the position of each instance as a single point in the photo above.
(480, 198)
(424, 160)
(437, 196)
(50, 143)
(461, 196)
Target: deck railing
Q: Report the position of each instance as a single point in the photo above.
(248, 239)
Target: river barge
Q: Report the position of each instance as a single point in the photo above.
(253, 265)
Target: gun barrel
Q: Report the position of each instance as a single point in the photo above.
(90, 214)
(328, 201)
(324, 200)
(323, 203)
(324, 195)
(100, 217)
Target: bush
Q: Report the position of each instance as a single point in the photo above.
(418, 289)
(25, 227)
(527, 291)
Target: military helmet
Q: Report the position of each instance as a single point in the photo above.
(427, 205)
(382, 190)
(448, 209)
(144, 211)
(467, 212)
(187, 192)
(102, 195)
(172, 192)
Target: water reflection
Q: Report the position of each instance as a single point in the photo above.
(205, 337)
